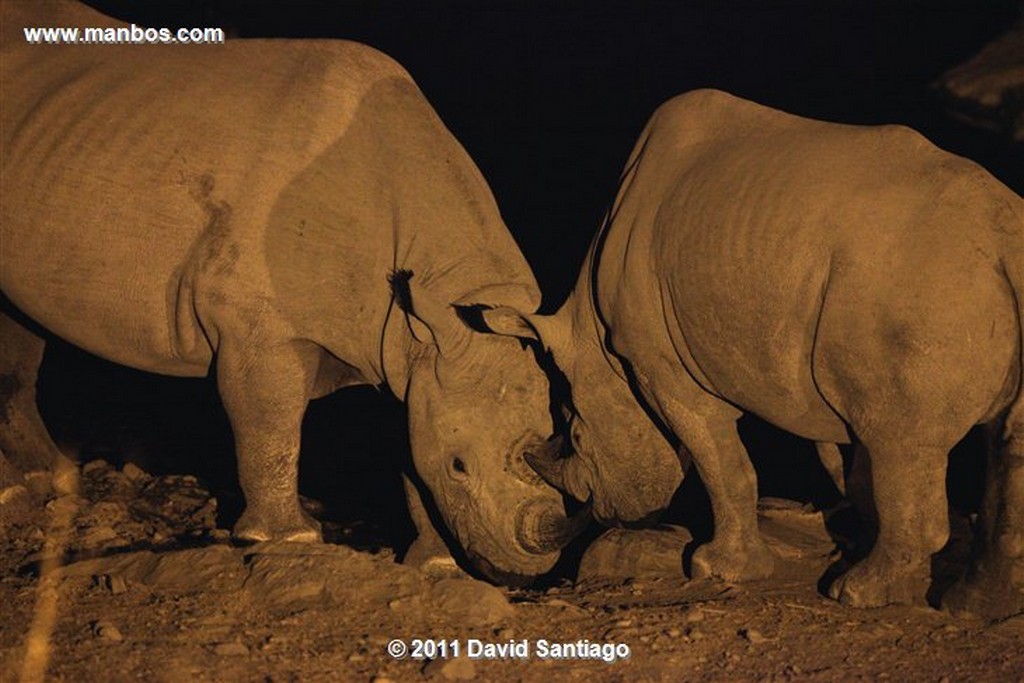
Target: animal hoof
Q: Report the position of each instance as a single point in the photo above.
(255, 529)
(747, 562)
(991, 600)
(870, 585)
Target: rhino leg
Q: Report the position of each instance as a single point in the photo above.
(707, 429)
(24, 439)
(993, 587)
(265, 392)
(909, 485)
(428, 552)
(852, 477)
(832, 460)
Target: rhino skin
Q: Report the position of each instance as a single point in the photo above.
(841, 282)
(293, 217)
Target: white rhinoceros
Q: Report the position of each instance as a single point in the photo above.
(294, 217)
(842, 282)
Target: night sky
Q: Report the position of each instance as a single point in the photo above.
(548, 98)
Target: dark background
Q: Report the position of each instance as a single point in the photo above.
(548, 98)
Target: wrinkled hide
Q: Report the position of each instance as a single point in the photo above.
(844, 283)
(291, 215)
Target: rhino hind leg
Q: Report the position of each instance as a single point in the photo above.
(993, 587)
(265, 392)
(24, 439)
(909, 485)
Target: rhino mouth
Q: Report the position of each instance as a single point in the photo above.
(541, 531)
(500, 576)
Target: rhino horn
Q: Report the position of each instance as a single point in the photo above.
(548, 530)
(547, 463)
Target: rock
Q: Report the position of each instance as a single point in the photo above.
(13, 494)
(792, 529)
(107, 631)
(68, 505)
(457, 669)
(293, 576)
(564, 605)
(626, 553)
(286, 585)
(39, 483)
(752, 635)
(135, 474)
(216, 568)
(232, 649)
(470, 601)
(113, 583)
(94, 467)
(98, 537)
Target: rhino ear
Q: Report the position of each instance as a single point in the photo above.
(503, 320)
(428, 321)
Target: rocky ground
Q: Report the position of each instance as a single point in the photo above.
(131, 580)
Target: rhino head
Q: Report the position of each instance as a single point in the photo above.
(478, 405)
(622, 462)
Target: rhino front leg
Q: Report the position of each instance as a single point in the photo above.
(265, 392)
(428, 552)
(707, 429)
(909, 485)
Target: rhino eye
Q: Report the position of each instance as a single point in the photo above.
(458, 467)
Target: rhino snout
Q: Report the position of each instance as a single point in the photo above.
(542, 528)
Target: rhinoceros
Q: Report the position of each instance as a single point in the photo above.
(291, 217)
(844, 283)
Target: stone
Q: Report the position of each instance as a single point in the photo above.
(13, 494)
(752, 635)
(216, 568)
(457, 669)
(135, 473)
(639, 553)
(105, 630)
(231, 649)
(471, 601)
(114, 583)
(95, 466)
(793, 530)
(99, 537)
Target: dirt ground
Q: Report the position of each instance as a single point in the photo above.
(131, 580)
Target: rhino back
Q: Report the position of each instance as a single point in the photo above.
(139, 180)
(784, 247)
(395, 192)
